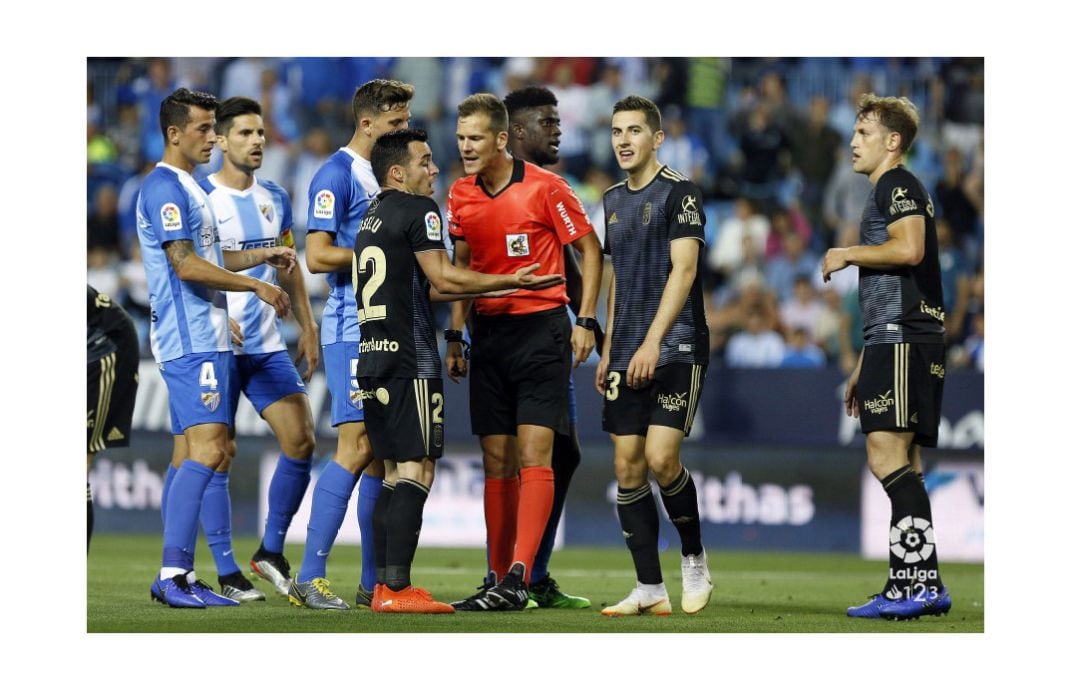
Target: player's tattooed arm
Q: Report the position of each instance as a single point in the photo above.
(189, 266)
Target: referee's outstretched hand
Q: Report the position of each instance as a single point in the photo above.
(529, 281)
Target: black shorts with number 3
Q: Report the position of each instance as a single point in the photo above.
(669, 400)
(404, 417)
(900, 387)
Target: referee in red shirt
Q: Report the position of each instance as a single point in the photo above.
(503, 215)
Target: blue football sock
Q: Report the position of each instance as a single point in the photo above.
(329, 503)
(287, 488)
(182, 516)
(216, 519)
(169, 475)
(370, 488)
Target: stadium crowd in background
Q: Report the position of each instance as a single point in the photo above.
(767, 139)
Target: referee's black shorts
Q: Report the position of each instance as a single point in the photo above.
(111, 383)
(518, 373)
(900, 387)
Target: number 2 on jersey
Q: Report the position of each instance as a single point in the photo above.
(377, 259)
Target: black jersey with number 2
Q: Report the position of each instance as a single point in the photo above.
(640, 226)
(397, 332)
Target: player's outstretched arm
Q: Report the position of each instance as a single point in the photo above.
(905, 247)
(283, 258)
(323, 256)
(453, 280)
(189, 266)
(684, 256)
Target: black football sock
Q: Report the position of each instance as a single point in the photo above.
(89, 517)
(641, 527)
(403, 520)
(378, 522)
(680, 501)
(913, 563)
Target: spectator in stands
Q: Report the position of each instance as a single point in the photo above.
(801, 352)
(102, 226)
(814, 144)
(795, 261)
(756, 346)
(727, 251)
(803, 309)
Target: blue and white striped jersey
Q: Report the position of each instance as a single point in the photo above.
(338, 198)
(260, 216)
(185, 317)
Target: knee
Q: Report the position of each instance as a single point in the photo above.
(629, 472)
(499, 465)
(664, 465)
(211, 455)
(301, 448)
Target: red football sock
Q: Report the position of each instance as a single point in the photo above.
(500, 516)
(537, 495)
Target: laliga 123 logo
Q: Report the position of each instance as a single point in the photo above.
(912, 539)
(324, 204)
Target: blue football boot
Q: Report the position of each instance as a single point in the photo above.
(175, 592)
(918, 605)
(872, 609)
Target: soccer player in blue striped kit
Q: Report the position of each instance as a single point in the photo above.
(188, 275)
(253, 213)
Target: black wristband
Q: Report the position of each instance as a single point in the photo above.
(589, 323)
(453, 336)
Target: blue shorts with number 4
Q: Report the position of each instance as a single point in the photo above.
(264, 378)
(199, 389)
(345, 404)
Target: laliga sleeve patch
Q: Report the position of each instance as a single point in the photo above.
(170, 217)
(433, 224)
(517, 245)
(324, 204)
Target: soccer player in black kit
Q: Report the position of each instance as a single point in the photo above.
(400, 264)
(896, 387)
(112, 368)
(654, 358)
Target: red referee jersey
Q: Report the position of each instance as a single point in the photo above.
(528, 221)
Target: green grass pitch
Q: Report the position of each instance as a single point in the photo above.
(754, 592)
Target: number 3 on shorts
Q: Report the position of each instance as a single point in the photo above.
(613, 386)
(206, 376)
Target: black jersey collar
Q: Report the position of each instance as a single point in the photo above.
(647, 184)
(518, 175)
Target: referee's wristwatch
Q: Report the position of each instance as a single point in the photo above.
(589, 323)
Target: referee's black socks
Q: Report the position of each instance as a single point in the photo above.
(680, 501)
(403, 520)
(913, 562)
(641, 527)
